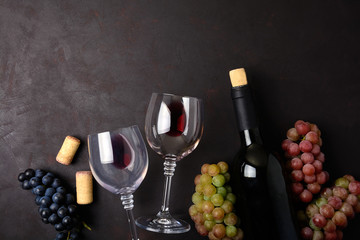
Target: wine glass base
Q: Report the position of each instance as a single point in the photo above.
(167, 225)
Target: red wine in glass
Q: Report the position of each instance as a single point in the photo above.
(177, 119)
(121, 151)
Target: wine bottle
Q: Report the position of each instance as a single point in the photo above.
(264, 203)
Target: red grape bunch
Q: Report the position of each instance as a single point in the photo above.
(305, 160)
(325, 217)
(213, 204)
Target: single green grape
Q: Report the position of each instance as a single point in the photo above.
(227, 176)
(199, 188)
(231, 197)
(213, 170)
(197, 179)
(209, 190)
(321, 201)
(231, 231)
(218, 180)
(199, 206)
(342, 182)
(207, 206)
(222, 191)
(204, 168)
(230, 219)
(224, 167)
(197, 197)
(205, 179)
(217, 199)
(227, 206)
(218, 213)
(209, 224)
(192, 210)
(219, 231)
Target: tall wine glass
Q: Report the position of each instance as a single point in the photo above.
(119, 162)
(173, 127)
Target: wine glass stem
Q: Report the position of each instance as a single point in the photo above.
(128, 203)
(169, 169)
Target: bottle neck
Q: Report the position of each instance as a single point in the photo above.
(245, 115)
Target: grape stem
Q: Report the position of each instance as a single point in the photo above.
(86, 226)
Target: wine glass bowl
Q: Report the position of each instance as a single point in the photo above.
(173, 128)
(173, 124)
(119, 162)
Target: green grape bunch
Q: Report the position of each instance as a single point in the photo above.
(213, 209)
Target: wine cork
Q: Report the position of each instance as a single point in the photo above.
(68, 150)
(238, 77)
(84, 187)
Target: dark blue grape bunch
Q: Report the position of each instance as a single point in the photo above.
(57, 206)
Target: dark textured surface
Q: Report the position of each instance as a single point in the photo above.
(79, 67)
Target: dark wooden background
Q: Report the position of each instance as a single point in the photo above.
(79, 67)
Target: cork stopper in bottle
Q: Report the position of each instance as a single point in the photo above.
(238, 77)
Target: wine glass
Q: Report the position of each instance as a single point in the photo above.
(173, 127)
(119, 162)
